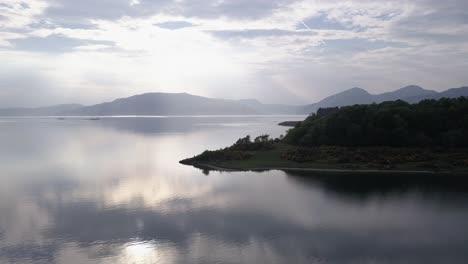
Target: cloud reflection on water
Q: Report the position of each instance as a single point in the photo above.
(95, 192)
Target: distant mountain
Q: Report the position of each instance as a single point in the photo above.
(348, 97)
(180, 104)
(450, 93)
(173, 104)
(268, 109)
(39, 111)
(411, 94)
(405, 92)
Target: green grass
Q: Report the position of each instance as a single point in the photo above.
(441, 160)
(268, 159)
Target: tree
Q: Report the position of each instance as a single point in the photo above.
(441, 122)
(262, 138)
(243, 141)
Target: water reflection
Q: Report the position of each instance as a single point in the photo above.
(366, 186)
(112, 191)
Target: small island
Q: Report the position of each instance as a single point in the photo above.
(397, 137)
(290, 123)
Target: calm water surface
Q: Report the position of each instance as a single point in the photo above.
(112, 191)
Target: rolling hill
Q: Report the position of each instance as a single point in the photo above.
(180, 104)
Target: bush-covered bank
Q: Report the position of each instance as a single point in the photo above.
(243, 149)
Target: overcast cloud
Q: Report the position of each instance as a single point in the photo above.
(288, 51)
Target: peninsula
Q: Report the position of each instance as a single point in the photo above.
(398, 137)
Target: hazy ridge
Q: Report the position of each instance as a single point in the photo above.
(173, 104)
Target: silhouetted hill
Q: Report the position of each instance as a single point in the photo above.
(450, 93)
(348, 97)
(180, 104)
(402, 93)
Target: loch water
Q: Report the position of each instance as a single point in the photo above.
(111, 190)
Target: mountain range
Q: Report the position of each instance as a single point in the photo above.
(410, 94)
(177, 104)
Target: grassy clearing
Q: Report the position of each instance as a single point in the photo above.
(281, 155)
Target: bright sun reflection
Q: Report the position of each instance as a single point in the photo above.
(141, 252)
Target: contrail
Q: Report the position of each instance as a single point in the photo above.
(305, 25)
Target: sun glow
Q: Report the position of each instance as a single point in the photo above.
(141, 252)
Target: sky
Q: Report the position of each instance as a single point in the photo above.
(277, 51)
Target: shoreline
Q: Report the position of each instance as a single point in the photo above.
(276, 155)
(335, 171)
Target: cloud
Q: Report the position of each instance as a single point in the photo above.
(320, 22)
(154, 45)
(259, 33)
(46, 24)
(53, 43)
(18, 14)
(173, 25)
(66, 10)
(235, 9)
(78, 11)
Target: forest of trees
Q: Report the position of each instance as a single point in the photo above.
(429, 123)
